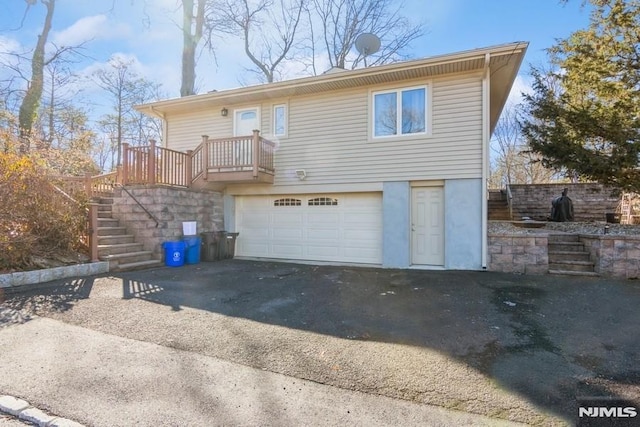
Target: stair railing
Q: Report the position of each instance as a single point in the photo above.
(509, 201)
(91, 226)
(151, 216)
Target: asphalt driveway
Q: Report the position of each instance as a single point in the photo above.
(520, 348)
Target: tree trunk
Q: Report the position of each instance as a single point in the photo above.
(190, 39)
(31, 100)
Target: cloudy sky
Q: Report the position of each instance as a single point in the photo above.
(147, 31)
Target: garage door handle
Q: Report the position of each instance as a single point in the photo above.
(413, 228)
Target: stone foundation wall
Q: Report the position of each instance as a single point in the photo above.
(518, 253)
(614, 256)
(590, 201)
(172, 207)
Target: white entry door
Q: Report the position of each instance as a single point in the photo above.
(245, 121)
(427, 226)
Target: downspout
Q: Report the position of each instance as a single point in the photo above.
(165, 126)
(486, 106)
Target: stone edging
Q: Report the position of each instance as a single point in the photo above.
(24, 411)
(33, 277)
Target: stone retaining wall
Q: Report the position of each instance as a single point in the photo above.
(614, 256)
(519, 253)
(172, 207)
(590, 201)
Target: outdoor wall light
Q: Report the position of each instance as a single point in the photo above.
(224, 112)
(301, 174)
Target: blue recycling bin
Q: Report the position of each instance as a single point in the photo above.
(174, 253)
(192, 244)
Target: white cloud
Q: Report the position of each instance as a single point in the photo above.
(94, 27)
(521, 84)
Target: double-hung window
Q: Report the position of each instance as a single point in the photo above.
(400, 112)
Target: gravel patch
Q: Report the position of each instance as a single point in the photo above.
(594, 227)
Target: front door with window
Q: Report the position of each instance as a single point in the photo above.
(427, 226)
(246, 121)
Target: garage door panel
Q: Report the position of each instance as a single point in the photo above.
(360, 254)
(322, 251)
(349, 231)
(257, 218)
(285, 250)
(252, 248)
(314, 234)
(280, 233)
(287, 219)
(331, 219)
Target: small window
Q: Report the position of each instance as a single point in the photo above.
(399, 112)
(279, 120)
(323, 201)
(248, 115)
(287, 202)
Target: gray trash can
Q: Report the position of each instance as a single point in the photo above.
(230, 244)
(217, 245)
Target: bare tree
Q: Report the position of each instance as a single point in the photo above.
(126, 88)
(268, 29)
(31, 100)
(512, 161)
(341, 21)
(192, 27)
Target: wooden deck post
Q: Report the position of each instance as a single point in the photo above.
(119, 174)
(205, 157)
(189, 168)
(255, 153)
(93, 232)
(87, 185)
(125, 163)
(151, 173)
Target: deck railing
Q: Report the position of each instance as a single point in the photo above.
(156, 165)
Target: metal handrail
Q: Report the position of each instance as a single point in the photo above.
(151, 216)
(509, 200)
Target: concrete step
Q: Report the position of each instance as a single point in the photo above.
(104, 250)
(115, 240)
(112, 231)
(104, 214)
(574, 273)
(497, 195)
(561, 238)
(566, 247)
(571, 266)
(106, 200)
(496, 216)
(105, 207)
(569, 256)
(128, 257)
(108, 222)
(140, 265)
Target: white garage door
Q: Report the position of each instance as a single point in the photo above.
(338, 227)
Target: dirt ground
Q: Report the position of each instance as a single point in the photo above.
(520, 348)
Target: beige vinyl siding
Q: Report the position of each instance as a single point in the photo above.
(329, 138)
(328, 135)
(185, 130)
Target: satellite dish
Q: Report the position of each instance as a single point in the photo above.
(367, 44)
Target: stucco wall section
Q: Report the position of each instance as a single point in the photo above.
(463, 224)
(614, 256)
(396, 215)
(517, 253)
(229, 212)
(171, 206)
